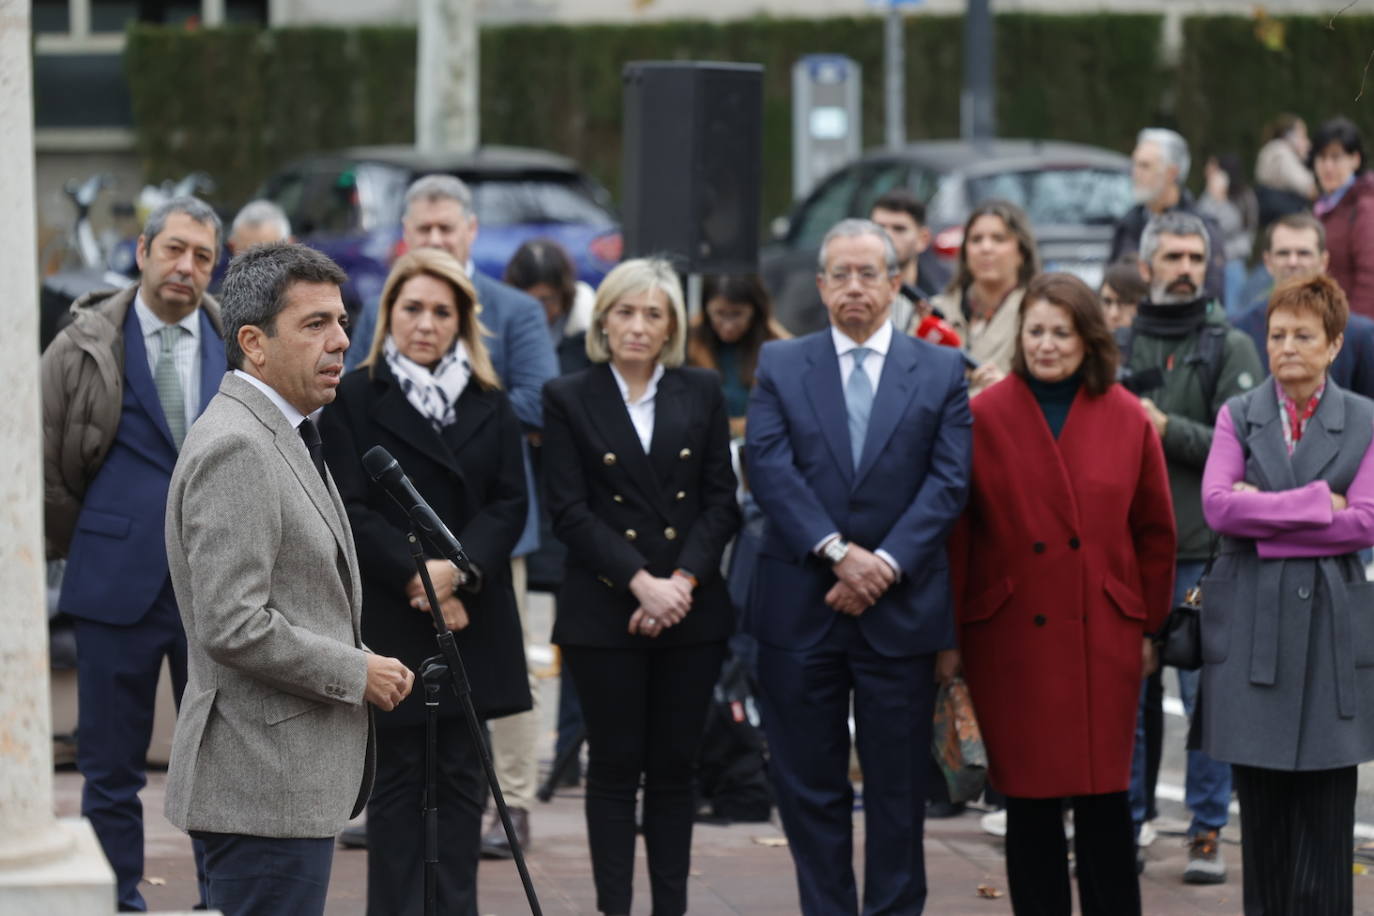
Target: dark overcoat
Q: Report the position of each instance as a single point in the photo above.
(472, 474)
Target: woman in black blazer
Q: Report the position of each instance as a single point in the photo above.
(637, 470)
(428, 394)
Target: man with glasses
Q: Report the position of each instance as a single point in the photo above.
(1295, 246)
(858, 449)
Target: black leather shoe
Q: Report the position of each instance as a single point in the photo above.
(354, 836)
(494, 842)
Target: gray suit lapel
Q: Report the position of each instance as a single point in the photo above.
(297, 457)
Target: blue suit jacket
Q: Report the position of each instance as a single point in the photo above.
(117, 564)
(1353, 369)
(904, 497)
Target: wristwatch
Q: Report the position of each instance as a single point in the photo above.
(835, 551)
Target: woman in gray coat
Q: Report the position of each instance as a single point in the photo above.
(1288, 619)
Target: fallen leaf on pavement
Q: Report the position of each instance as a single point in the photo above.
(988, 891)
(770, 840)
(156, 882)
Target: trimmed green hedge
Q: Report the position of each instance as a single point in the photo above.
(1231, 81)
(238, 102)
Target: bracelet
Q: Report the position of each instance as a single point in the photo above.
(686, 575)
(459, 577)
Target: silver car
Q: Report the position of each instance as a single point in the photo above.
(1073, 193)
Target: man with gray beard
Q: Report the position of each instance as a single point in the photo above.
(1184, 361)
(1159, 171)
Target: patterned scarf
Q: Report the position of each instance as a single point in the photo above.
(1294, 418)
(432, 393)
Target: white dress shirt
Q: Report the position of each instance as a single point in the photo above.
(642, 410)
(293, 416)
(878, 344)
(185, 352)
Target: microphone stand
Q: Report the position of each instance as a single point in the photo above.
(448, 665)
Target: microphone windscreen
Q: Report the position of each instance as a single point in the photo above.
(377, 461)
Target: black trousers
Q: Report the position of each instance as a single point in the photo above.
(395, 828)
(1296, 833)
(645, 711)
(1038, 856)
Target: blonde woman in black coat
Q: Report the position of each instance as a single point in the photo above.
(428, 394)
(637, 467)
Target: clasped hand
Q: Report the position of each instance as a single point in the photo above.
(864, 578)
(442, 574)
(662, 602)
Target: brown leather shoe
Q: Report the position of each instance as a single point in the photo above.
(494, 842)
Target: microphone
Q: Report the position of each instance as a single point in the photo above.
(386, 472)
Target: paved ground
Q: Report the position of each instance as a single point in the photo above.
(738, 869)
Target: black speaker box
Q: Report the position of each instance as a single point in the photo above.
(693, 139)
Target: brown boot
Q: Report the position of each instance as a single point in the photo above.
(494, 842)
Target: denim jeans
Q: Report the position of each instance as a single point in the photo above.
(1207, 790)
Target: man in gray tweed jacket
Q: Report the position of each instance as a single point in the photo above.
(273, 749)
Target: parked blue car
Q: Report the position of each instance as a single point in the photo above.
(349, 203)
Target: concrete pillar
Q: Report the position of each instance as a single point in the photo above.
(46, 866)
(446, 76)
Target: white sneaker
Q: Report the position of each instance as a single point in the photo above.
(994, 823)
(1147, 835)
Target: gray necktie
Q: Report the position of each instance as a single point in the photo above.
(858, 399)
(168, 382)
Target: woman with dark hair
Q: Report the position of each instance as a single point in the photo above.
(1287, 619)
(736, 322)
(428, 394)
(1062, 568)
(1346, 209)
(1122, 290)
(542, 268)
(997, 258)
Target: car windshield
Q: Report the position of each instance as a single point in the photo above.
(1059, 196)
(511, 201)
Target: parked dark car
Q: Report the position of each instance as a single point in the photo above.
(349, 203)
(1074, 194)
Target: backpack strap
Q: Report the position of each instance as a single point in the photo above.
(1211, 353)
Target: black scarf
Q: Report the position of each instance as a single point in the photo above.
(1171, 320)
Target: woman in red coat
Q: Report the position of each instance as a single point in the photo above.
(1063, 565)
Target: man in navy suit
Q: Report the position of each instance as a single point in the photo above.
(439, 214)
(1295, 246)
(121, 385)
(858, 452)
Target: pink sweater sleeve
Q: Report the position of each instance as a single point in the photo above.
(1287, 523)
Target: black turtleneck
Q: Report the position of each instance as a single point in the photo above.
(1171, 320)
(1055, 398)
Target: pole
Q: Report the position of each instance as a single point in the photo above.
(977, 111)
(447, 116)
(894, 62)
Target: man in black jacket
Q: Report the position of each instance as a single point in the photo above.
(1159, 168)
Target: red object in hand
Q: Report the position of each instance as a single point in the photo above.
(936, 330)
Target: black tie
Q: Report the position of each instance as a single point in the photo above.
(311, 436)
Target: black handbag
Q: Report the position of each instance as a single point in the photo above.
(1180, 639)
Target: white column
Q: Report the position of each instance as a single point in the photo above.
(45, 865)
(446, 77)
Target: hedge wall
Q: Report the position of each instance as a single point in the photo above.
(1236, 74)
(237, 102)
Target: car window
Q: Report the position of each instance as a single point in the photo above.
(1062, 196)
(287, 191)
(875, 181)
(525, 199)
(824, 209)
(332, 202)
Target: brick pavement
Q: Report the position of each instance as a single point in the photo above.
(736, 869)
